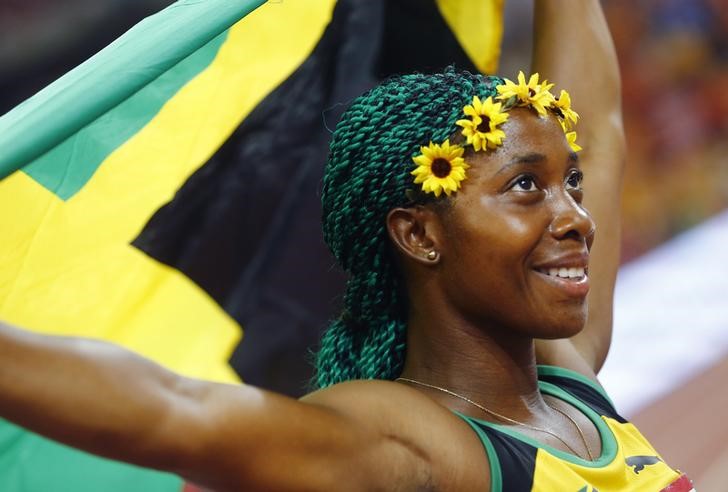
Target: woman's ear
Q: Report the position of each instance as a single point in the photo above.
(416, 234)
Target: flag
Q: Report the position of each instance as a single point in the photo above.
(164, 194)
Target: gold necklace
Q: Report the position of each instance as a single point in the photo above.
(513, 421)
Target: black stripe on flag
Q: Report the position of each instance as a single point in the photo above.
(246, 227)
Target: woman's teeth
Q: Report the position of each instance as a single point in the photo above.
(565, 272)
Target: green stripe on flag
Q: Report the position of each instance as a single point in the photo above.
(31, 463)
(66, 168)
(106, 80)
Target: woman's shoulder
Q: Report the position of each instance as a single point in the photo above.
(385, 395)
(453, 452)
(585, 388)
(386, 404)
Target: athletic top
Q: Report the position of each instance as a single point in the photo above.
(627, 462)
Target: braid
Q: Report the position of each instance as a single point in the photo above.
(367, 175)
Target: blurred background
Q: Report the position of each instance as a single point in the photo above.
(674, 60)
(669, 357)
(673, 55)
(668, 366)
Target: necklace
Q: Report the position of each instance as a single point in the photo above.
(513, 421)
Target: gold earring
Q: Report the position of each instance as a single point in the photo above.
(432, 255)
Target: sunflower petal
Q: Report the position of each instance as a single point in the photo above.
(455, 152)
(477, 105)
(470, 111)
(571, 138)
(422, 160)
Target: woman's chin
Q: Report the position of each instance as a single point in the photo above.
(563, 326)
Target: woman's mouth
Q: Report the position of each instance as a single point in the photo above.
(572, 281)
(569, 273)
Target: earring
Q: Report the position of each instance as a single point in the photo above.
(432, 255)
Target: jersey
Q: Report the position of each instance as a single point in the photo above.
(627, 462)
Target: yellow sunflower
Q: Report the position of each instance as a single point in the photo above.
(571, 138)
(528, 94)
(481, 129)
(440, 168)
(562, 107)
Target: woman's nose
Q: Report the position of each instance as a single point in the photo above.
(571, 220)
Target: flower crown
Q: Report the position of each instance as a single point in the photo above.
(441, 167)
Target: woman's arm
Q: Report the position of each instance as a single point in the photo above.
(106, 400)
(574, 49)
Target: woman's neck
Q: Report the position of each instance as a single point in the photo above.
(491, 367)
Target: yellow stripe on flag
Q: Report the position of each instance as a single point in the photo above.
(69, 268)
(478, 26)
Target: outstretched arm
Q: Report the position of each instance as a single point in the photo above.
(574, 49)
(106, 400)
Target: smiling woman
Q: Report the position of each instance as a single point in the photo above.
(459, 260)
(477, 312)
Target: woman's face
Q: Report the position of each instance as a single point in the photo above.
(517, 239)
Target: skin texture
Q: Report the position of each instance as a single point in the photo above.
(475, 311)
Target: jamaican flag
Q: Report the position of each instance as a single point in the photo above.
(164, 194)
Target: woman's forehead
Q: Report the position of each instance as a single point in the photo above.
(529, 138)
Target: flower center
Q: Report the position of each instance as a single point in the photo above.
(484, 126)
(441, 167)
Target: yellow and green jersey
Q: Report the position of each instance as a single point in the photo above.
(627, 462)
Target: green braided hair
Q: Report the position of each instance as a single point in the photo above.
(367, 175)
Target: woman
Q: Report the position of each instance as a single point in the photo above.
(455, 202)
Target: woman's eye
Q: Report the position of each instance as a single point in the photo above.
(524, 183)
(573, 182)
